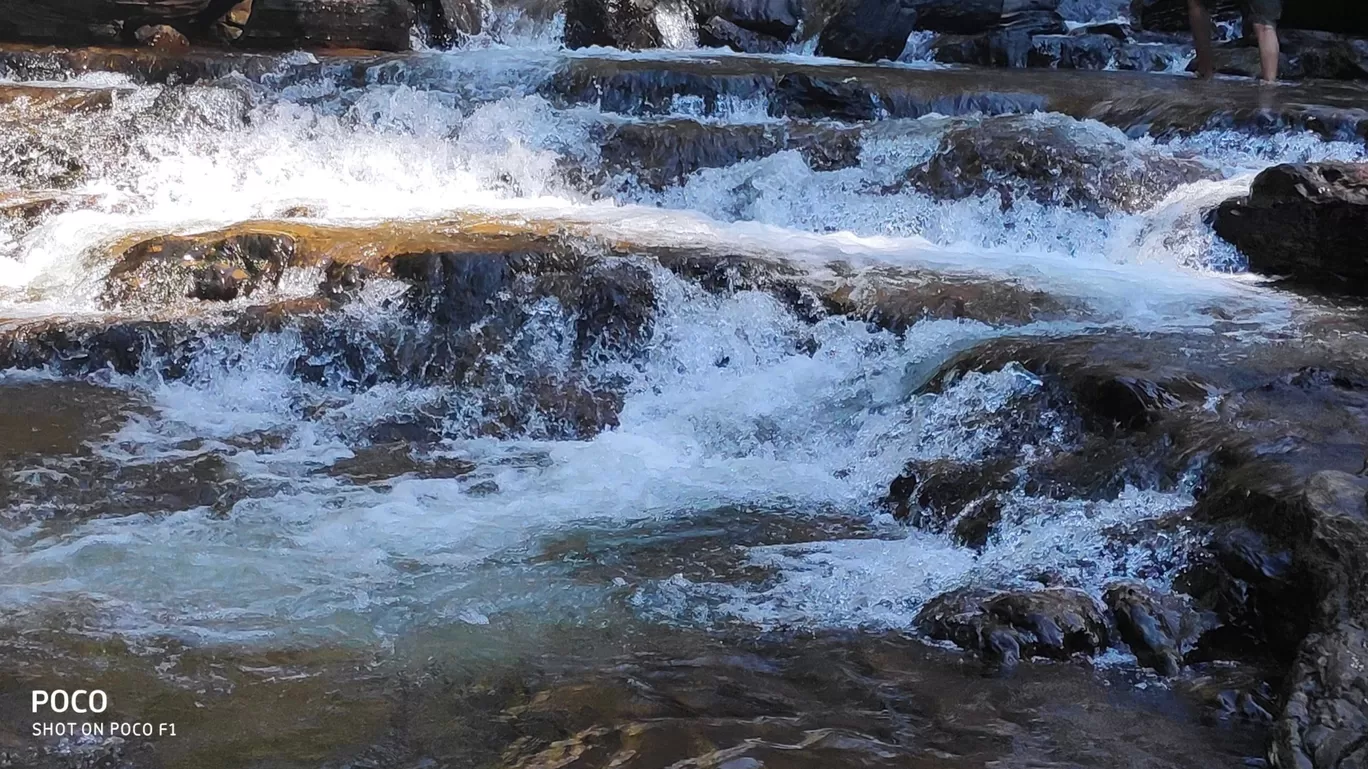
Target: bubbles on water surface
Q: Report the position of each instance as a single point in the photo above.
(736, 403)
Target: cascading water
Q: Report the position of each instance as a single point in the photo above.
(264, 491)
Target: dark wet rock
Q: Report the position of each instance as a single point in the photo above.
(775, 19)
(1088, 51)
(757, 26)
(664, 153)
(166, 24)
(947, 495)
(978, 521)
(162, 37)
(868, 30)
(1324, 719)
(161, 270)
(374, 24)
(451, 21)
(971, 16)
(1323, 55)
(631, 25)
(1008, 42)
(1151, 56)
(1233, 693)
(1005, 627)
(897, 299)
(717, 32)
(613, 303)
(1054, 160)
(385, 462)
(1254, 587)
(1159, 628)
(893, 299)
(1304, 222)
(800, 96)
(1288, 538)
(989, 49)
(1125, 392)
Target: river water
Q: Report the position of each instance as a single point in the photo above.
(374, 569)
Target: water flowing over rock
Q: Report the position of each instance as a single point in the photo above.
(1052, 160)
(1303, 222)
(518, 407)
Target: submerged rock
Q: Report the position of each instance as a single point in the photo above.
(663, 153)
(161, 270)
(1304, 222)
(1006, 627)
(1054, 160)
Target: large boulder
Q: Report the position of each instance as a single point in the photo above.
(1324, 721)
(375, 24)
(717, 32)
(1005, 627)
(868, 30)
(1055, 160)
(778, 19)
(1306, 222)
(625, 24)
(379, 24)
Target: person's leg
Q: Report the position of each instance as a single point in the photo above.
(1268, 51)
(1200, 19)
(1264, 14)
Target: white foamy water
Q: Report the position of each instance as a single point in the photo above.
(735, 403)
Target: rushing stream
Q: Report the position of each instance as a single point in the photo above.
(648, 529)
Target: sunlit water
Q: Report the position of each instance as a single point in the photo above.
(725, 413)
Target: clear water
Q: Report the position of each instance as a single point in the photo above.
(773, 429)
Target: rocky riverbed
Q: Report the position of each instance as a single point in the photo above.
(531, 387)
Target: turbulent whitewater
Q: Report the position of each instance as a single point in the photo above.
(693, 450)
